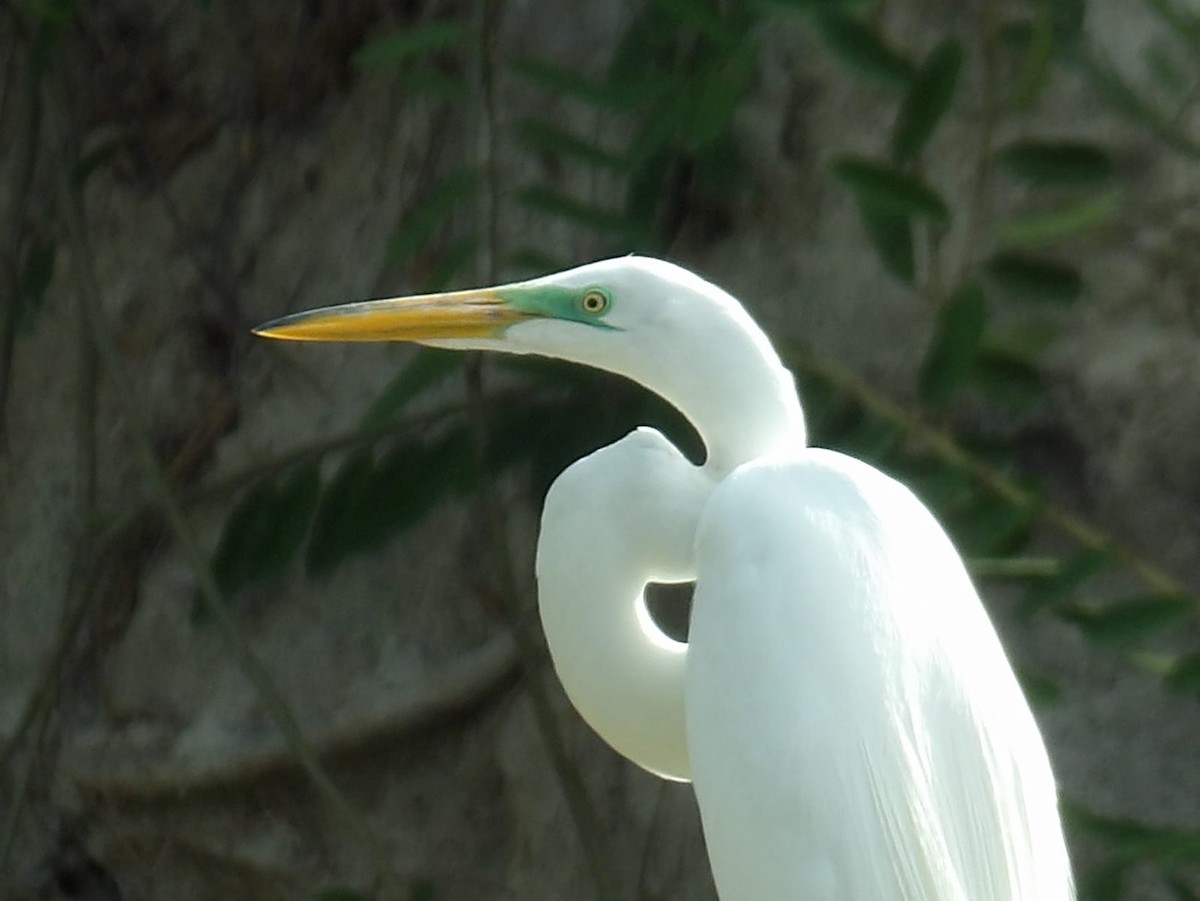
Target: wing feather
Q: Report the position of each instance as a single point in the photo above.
(855, 729)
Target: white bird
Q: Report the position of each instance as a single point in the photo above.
(843, 706)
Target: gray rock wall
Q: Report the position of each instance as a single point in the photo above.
(258, 172)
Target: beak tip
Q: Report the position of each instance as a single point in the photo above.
(278, 328)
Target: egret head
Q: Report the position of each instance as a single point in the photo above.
(646, 319)
(581, 314)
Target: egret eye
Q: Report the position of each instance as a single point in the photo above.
(594, 302)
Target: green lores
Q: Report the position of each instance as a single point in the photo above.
(588, 307)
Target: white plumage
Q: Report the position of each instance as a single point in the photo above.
(843, 706)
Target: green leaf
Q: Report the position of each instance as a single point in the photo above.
(873, 439)
(1014, 569)
(1035, 66)
(1129, 620)
(265, 530)
(926, 101)
(942, 488)
(863, 49)
(1125, 836)
(993, 527)
(1034, 278)
(424, 220)
(1078, 570)
(1043, 228)
(348, 515)
(566, 82)
(1184, 676)
(1166, 71)
(717, 169)
(648, 52)
(717, 94)
(295, 503)
(369, 502)
(1024, 339)
(1115, 91)
(428, 367)
(657, 135)
(549, 138)
(835, 418)
(890, 190)
(598, 219)
(1105, 882)
(1129, 841)
(957, 335)
(58, 14)
(653, 191)
(1183, 891)
(703, 18)
(413, 478)
(892, 237)
(50, 21)
(1068, 18)
(1040, 690)
(408, 43)
(1008, 378)
(530, 431)
(1185, 25)
(1157, 662)
(1057, 163)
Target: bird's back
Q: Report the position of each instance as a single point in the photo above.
(854, 727)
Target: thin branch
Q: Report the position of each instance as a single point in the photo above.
(161, 490)
(641, 893)
(80, 590)
(435, 700)
(358, 436)
(489, 16)
(943, 445)
(26, 127)
(1015, 567)
(979, 211)
(593, 842)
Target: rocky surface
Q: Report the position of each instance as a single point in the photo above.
(262, 173)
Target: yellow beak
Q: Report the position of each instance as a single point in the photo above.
(479, 313)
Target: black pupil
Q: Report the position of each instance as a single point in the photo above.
(593, 302)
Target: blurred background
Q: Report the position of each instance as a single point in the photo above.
(267, 622)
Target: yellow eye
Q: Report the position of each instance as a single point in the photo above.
(594, 302)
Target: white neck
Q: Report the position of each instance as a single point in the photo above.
(723, 374)
(627, 515)
(614, 521)
(739, 396)
(751, 411)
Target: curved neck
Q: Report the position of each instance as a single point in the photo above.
(628, 686)
(627, 515)
(739, 396)
(753, 410)
(614, 521)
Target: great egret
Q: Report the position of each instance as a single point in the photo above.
(843, 706)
